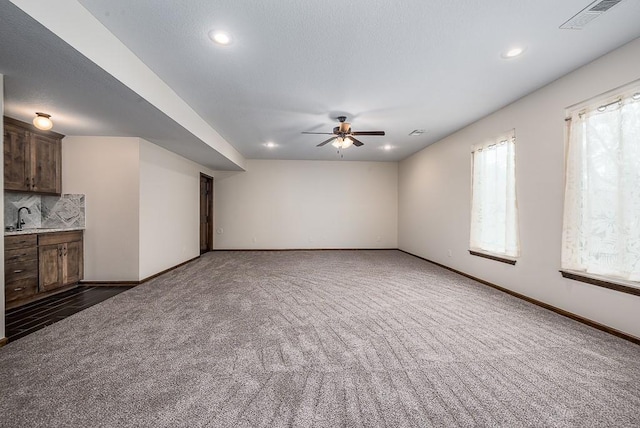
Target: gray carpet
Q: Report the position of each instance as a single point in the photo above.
(318, 338)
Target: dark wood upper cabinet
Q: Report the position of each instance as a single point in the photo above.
(32, 158)
(17, 158)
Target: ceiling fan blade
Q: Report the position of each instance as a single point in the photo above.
(368, 133)
(326, 141)
(319, 133)
(356, 143)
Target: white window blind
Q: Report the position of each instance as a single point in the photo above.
(601, 225)
(494, 210)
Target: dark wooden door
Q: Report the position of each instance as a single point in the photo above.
(50, 266)
(73, 262)
(206, 213)
(17, 159)
(45, 164)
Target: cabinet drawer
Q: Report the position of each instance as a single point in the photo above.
(21, 255)
(18, 290)
(20, 241)
(20, 270)
(59, 237)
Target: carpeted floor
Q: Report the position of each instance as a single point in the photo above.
(317, 338)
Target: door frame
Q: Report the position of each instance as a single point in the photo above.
(208, 225)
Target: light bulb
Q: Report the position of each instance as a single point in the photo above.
(337, 143)
(220, 37)
(42, 121)
(346, 142)
(512, 53)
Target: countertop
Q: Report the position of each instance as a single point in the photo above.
(30, 231)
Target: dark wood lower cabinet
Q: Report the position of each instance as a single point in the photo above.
(59, 259)
(50, 267)
(20, 268)
(38, 265)
(72, 268)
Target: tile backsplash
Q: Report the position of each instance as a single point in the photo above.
(66, 211)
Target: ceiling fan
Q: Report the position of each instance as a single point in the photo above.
(343, 136)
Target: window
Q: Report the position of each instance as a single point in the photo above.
(494, 212)
(601, 227)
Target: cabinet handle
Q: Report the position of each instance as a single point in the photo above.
(26, 182)
(18, 271)
(18, 289)
(33, 183)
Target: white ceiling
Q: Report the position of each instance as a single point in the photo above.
(294, 66)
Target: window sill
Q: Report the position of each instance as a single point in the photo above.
(493, 257)
(601, 281)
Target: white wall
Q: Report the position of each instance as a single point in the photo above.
(434, 195)
(308, 204)
(169, 209)
(142, 205)
(106, 170)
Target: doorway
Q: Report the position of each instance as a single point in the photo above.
(206, 213)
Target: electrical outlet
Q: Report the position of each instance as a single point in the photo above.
(449, 253)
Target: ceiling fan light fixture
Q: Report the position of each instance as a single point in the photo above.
(42, 121)
(342, 143)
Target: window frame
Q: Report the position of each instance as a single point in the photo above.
(605, 99)
(475, 250)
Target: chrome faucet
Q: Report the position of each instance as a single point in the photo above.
(20, 219)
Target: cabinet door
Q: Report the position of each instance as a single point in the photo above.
(50, 267)
(17, 158)
(73, 262)
(45, 164)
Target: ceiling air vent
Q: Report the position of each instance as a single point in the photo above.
(604, 5)
(588, 14)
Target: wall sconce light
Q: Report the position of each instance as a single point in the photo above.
(42, 121)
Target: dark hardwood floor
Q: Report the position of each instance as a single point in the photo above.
(36, 315)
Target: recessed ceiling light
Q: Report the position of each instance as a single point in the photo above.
(387, 147)
(220, 37)
(512, 53)
(270, 145)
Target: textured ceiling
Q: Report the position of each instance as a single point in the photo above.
(294, 66)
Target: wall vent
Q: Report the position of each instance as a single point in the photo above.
(588, 14)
